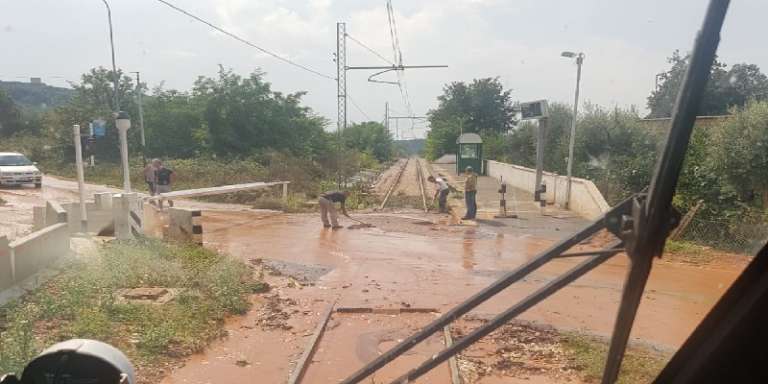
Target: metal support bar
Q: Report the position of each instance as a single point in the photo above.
(590, 253)
(608, 220)
(501, 319)
(654, 217)
(398, 67)
(634, 286)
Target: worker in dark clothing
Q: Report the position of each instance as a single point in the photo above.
(164, 177)
(327, 201)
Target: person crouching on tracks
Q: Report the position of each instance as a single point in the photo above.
(441, 194)
(327, 200)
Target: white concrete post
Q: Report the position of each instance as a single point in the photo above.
(124, 157)
(121, 211)
(285, 192)
(80, 178)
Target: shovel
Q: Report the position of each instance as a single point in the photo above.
(361, 224)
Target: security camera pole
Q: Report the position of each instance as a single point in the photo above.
(579, 60)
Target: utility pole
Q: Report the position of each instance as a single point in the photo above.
(386, 116)
(579, 60)
(115, 76)
(341, 90)
(141, 118)
(542, 136)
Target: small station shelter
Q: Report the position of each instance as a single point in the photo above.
(470, 153)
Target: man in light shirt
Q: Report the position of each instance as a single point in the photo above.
(470, 194)
(441, 193)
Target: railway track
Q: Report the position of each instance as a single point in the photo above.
(420, 180)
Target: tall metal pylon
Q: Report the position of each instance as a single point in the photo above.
(341, 89)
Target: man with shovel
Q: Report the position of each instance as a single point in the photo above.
(327, 200)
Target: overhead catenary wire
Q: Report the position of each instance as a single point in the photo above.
(371, 50)
(246, 42)
(358, 107)
(398, 54)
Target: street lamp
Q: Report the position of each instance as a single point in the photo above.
(115, 76)
(579, 60)
(123, 123)
(122, 120)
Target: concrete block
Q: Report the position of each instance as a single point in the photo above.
(38, 218)
(120, 215)
(54, 213)
(39, 249)
(184, 225)
(6, 268)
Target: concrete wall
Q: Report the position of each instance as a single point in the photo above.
(6, 275)
(98, 219)
(54, 213)
(37, 250)
(586, 199)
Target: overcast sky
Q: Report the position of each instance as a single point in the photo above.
(626, 43)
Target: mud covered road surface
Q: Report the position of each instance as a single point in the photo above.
(415, 262)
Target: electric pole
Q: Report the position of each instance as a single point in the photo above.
(341, 90)
(141, 118)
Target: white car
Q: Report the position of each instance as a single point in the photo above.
(16, 169)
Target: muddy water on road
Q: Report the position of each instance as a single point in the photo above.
(373, 268)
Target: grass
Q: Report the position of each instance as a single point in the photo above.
(81, 303)
(588, 357)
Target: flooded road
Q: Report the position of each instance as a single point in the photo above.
(432, 266)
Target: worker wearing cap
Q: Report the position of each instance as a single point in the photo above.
(470, 194)
(327, 200)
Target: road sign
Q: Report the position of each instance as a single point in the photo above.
(99, 128)
(534, 110)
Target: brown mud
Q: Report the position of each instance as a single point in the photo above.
(419, 261)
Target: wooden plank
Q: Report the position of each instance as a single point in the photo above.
(215, 190)
(452, 363)
(303, 363)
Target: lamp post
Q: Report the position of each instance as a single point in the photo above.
(122, 120)
(572, 142)
(115, 76)
(123, 123)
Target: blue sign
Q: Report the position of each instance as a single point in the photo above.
(99, 128)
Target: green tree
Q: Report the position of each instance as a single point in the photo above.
(741, 153)
(371, 137)
(174, 125)
(244, 116)
(483, 107)
(93, 99)
(10, 116)
(725, 89)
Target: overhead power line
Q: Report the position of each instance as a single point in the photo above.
(370, 49)
(246, 42)
(358, 107)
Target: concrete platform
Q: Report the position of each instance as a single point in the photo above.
(532, 219)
